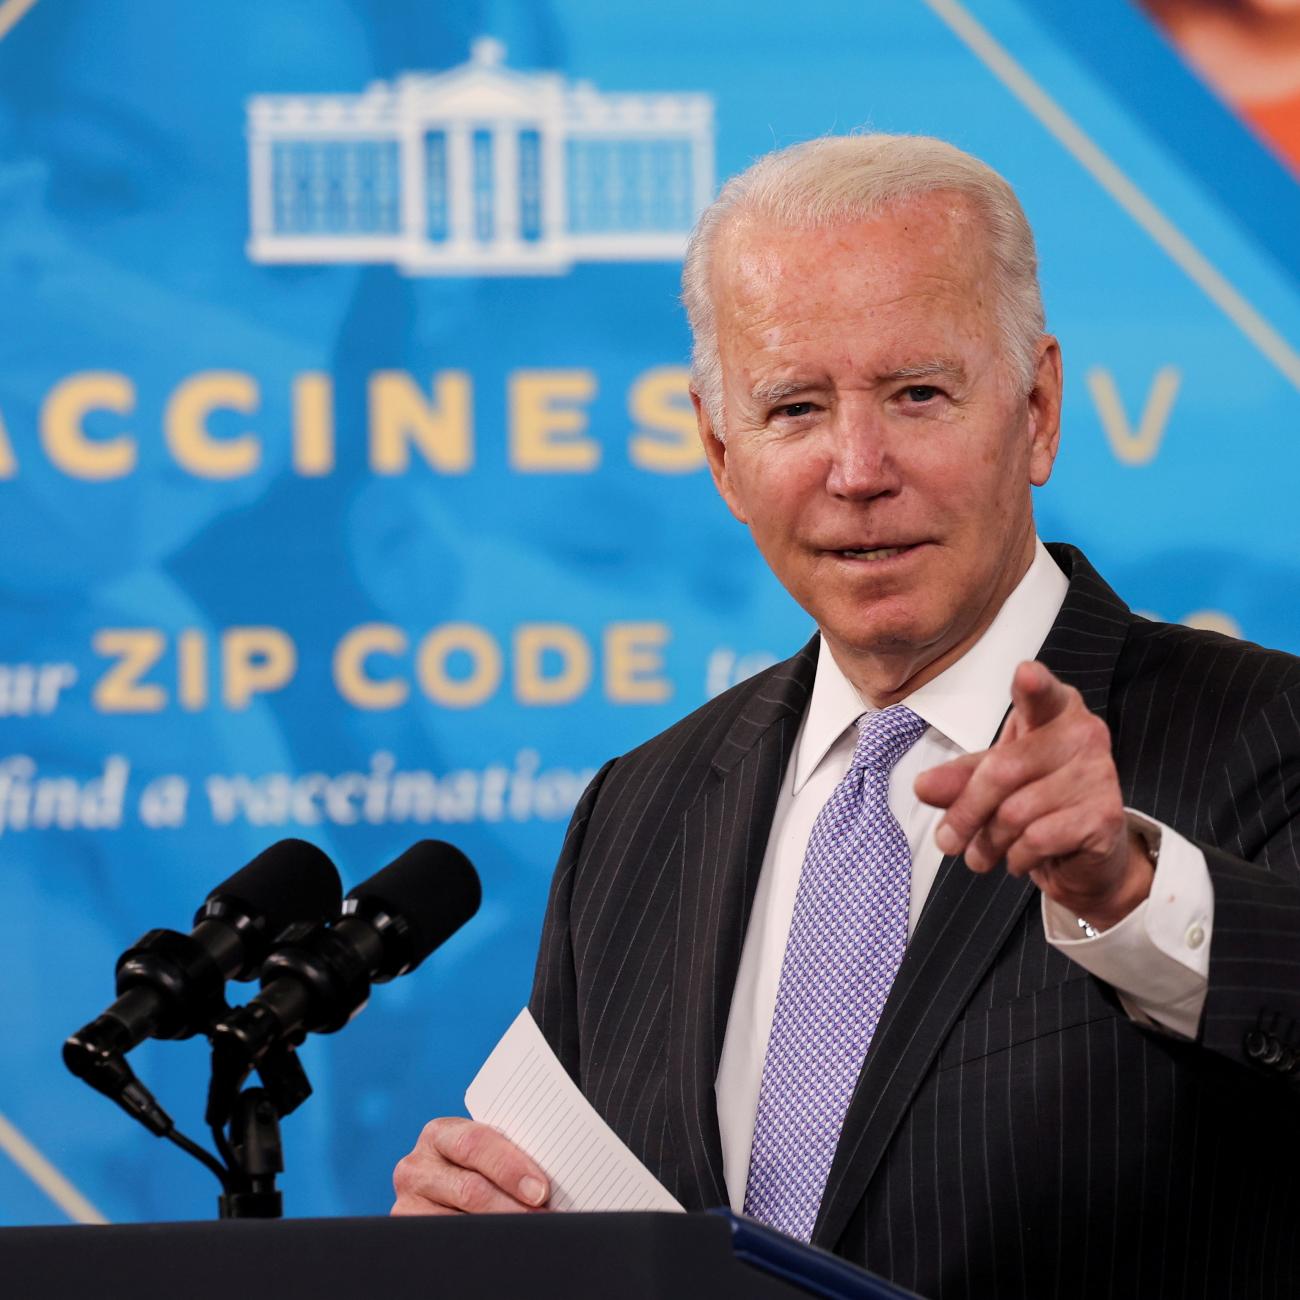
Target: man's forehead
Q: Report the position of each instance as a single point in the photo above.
(755, 251)
(904, 293)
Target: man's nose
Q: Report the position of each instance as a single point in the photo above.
(861, 461)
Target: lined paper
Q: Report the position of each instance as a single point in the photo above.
(526, 1093)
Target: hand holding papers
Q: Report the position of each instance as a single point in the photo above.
(523, 1091)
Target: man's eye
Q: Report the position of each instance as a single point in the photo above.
(918, 393)
(793, 410)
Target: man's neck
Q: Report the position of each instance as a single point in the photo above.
(883, 679)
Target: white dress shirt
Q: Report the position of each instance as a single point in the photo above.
(1157, 958)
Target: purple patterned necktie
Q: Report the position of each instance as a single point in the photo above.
(846, 942)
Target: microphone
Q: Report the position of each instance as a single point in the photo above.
(319, 977)
(171, 985)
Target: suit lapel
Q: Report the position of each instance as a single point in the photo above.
(719, 853)
(964, 924)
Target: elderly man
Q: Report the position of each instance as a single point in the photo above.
(966, 943)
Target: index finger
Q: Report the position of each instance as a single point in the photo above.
(480, 1147)
(1038, 695)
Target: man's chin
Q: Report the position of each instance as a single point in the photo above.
(883, 639)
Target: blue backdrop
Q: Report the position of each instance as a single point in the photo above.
(347, 477)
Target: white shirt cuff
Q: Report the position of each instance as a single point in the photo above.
(1158, 957)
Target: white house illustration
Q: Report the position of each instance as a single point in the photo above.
(477, 170)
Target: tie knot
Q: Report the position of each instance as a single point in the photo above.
(884, 737)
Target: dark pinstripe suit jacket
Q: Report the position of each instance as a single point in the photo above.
(1013, 1133)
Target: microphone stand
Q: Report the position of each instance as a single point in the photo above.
(254, 1156)
(245, 1124)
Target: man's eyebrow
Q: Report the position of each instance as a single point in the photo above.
(938, 366)
(766, 394)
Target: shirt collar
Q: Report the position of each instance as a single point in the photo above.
(968, 700)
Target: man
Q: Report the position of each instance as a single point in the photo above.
(966, 942)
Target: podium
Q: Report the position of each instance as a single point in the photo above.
(541, 1256)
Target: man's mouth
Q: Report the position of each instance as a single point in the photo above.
(873, 554)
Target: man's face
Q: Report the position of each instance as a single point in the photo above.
(875, 444)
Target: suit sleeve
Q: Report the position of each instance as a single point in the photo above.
(1252, 1009)
(1224, 964)
(554, 1000)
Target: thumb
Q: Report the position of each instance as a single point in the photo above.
(940, 786)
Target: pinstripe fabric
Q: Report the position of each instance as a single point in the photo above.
(1012, 1133)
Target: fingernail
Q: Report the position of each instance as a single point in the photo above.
(533, 1190)
(947, 839)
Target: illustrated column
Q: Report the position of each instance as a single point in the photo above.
(505, 161)
(411, 187)
(460, 186)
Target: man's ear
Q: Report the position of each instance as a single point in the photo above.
(715, 452)
(1045, 411)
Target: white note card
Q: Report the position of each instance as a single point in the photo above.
(526, 1093)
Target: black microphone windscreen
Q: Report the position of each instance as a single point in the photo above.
(432, 887)
(290, 881)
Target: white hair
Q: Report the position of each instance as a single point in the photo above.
(839, 179)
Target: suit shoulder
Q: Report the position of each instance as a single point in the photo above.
(1169, 657)
(781, 690)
